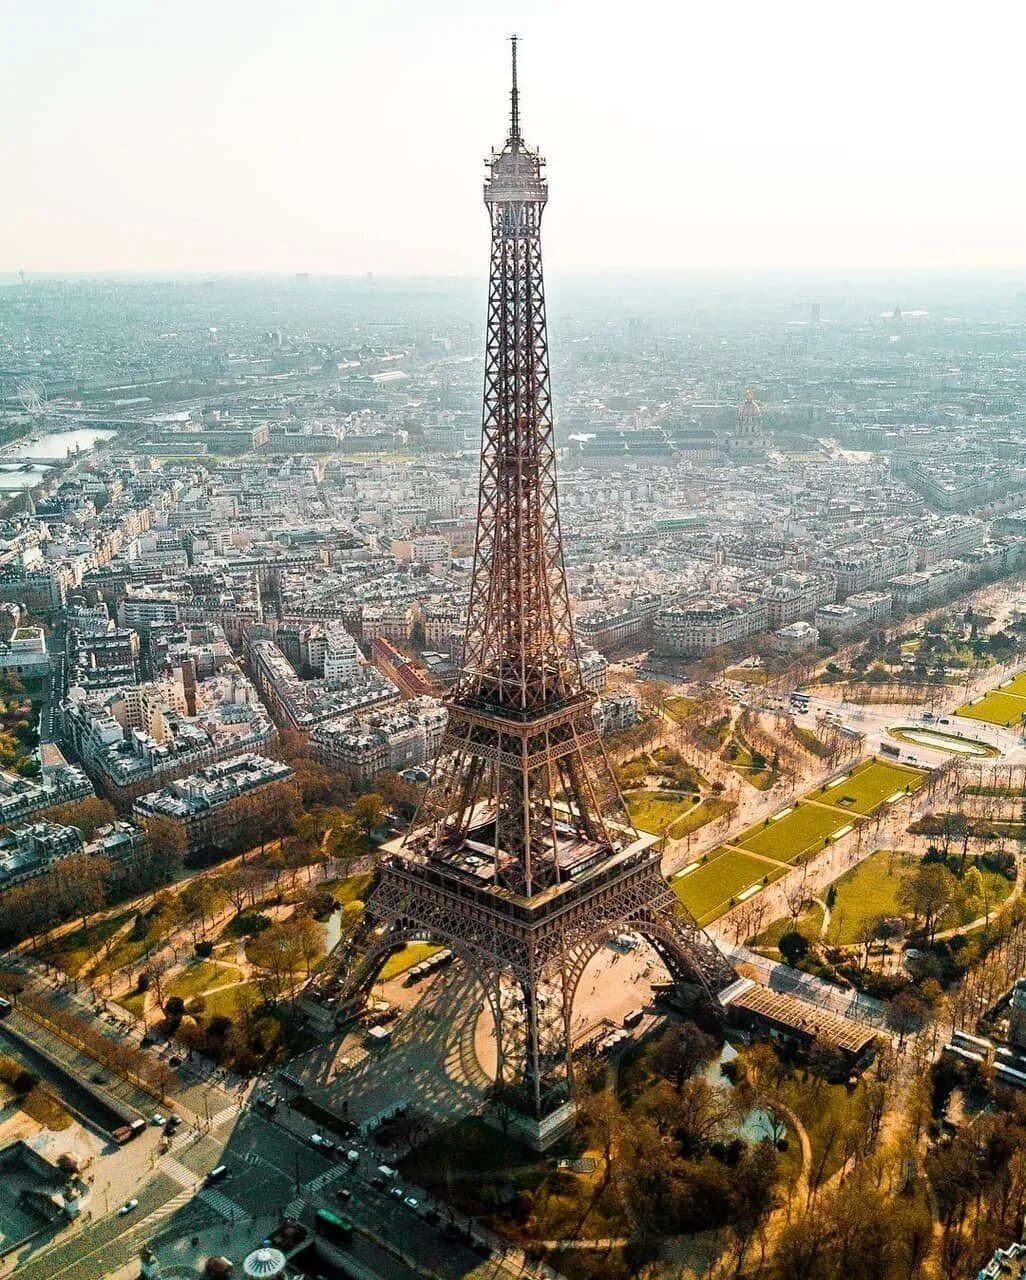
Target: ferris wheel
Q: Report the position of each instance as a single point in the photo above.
(32, 394)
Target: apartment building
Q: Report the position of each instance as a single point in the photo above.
(397, 738)
(696, 629)
(201, 804)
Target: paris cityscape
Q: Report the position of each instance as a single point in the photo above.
(511, 766)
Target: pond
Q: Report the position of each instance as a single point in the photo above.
(944, 742)
(60, 444)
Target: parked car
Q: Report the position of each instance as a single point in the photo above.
(128, 1206)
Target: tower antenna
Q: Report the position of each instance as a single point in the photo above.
(514, 97)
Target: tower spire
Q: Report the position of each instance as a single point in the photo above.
(514, 97)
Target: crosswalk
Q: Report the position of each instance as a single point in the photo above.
(223, 1205)
(175, 1169)
(225, 1114)
(294, 1208)
(323, 1180)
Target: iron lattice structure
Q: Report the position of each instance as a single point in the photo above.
(523, 858)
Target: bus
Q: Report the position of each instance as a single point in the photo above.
(886, 749)
(331, 1226)
(800, 702)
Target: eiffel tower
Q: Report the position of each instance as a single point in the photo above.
(523, 859)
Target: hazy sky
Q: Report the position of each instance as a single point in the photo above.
(244, 135)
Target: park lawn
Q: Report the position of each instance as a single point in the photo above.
(133, 1003)
(71, 951)
(680, 708)
(868, 786)
(998, 707)
(705, 811)
(867, 891)
(741, 763)
(810, 922)
(1017, 685)
(230, 1002)
(748, 675)
(871, 889)
(352, 889)
(717, 884)
(198, 978)
(405, 958)
(823, 1109)
(654, 811)
(803, 830)
(126, 951)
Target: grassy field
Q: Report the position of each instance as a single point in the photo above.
(71, 951)
(353, 889)
(680, 708)
(748, 675)
(810, 923)
(198, 978)
(707, 892)
(868, 786)
(802, 830)
(406, 957)
(867, 891)
(998, 707)
(229, 1002)
(739, 755)
(654, 811)
(705, 811)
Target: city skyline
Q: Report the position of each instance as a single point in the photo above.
(241, 142)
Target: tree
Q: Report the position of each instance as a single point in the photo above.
(241, 885)
(201, 900)
(88, 815)
(77, 885)
(793, 946)
(906, 1013)
(681, 1051)
(367, 813)
(927, 893)
(167, 841)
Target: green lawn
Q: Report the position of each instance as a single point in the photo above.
(134, 1003)
(802, 830)
(71, 951)
(231, 1001)
(352, 889)
(740, 760)
(680, 708)
(405, 958)
(1017, 685)
(707, 892)
(867, 891)
(810, 923)
(868, 786)
(705, 811)
(654, 811)
(748, 675)
(198, 978)
(998, 707)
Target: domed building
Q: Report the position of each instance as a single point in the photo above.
(748, 440)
